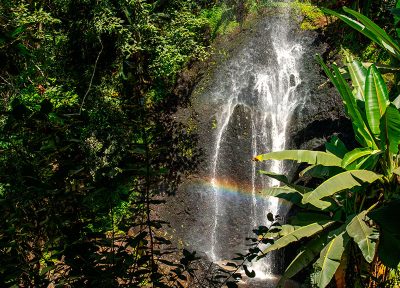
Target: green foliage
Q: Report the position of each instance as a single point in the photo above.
(368, 28)
(88, 139)
(313, 16)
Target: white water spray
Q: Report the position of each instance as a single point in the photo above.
(267, 93)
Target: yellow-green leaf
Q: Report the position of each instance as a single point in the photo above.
(376, 98)
(299, 233)
(364, 235)
(337, 183)
(330, 258)
(307, 156)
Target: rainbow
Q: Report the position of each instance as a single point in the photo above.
(228, 188)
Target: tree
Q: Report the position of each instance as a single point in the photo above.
(88, 138)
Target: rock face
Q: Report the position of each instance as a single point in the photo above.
(323, 114)
(320, 116)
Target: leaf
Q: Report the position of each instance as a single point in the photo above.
(361, 130)
(283, 179)
(231, 264)
(139, 237)
(376, 98)
(319, 171)
(337, 183)
(296, 235)
(279, 231)
(250, 274)
(358, 74)
(356, 154)
(306, 218)
(18, 31)
(396, 102)
(397, 171)
(307, 156)
(383, 39)
(330, 258)
(336, 147)
(390, 127)
(279, 177)
(283, 192)
(363, 135)
(395, 12)
(365, 163)
(368, 29)
(364, 235)
(304, 258)
(231, 284)
(46, 270)
(389, 242)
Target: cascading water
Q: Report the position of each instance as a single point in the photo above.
(257, 95)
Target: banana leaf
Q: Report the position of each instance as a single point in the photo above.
(369, 29)
(320, 171)
(283, 192)
(364, 235)
(376, 99)
(367, 162)
(356, 154)
(362, 133)
(307, 156)
(330, 258)
(336, 147)
(384, 40)
(358, 73)
(285, 180)
(306, 218)
(390, 129)
(299, 233)
(310, 251)
(337, 183)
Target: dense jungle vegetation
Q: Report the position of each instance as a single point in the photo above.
(89, 141)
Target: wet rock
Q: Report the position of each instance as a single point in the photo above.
(320, 116)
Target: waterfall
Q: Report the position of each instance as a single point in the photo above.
(256, 95)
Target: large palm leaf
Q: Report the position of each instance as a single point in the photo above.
(310, 157)
(299, 233)
(337, 183)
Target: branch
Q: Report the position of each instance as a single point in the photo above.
(91, 79)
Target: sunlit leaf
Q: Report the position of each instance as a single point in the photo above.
(337, 183)
(330, 258)
(310, 251)
(376, 98)
(296, 235)
(358, 73)
(364, 235)
(356, 154)
(390, 127)
(306, 156)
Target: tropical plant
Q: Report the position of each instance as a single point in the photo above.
(364, 25)
(351, 212)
